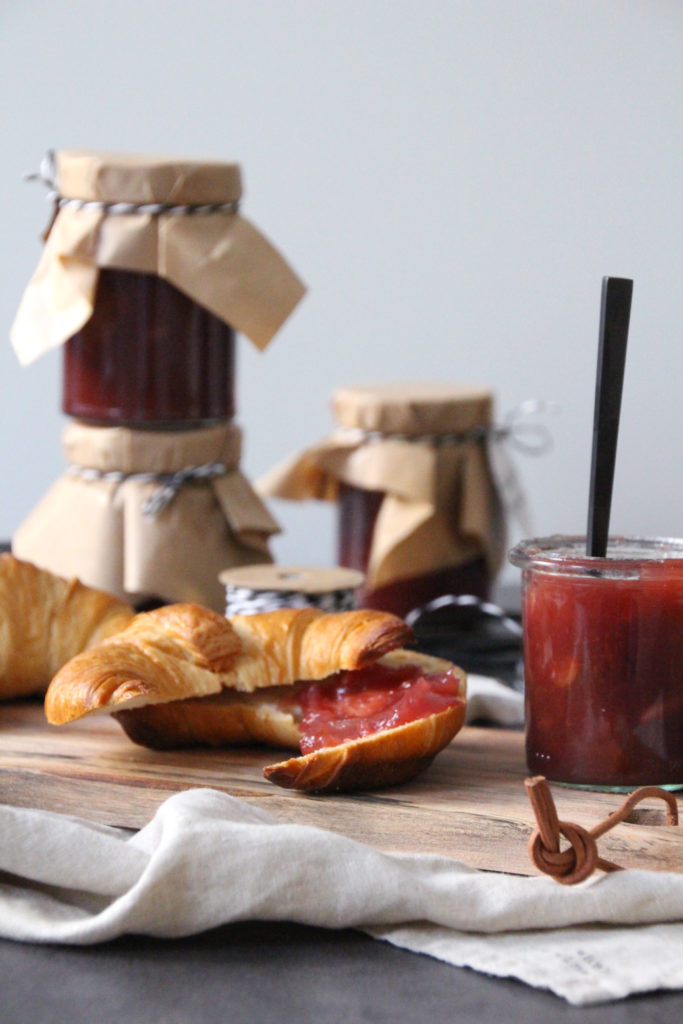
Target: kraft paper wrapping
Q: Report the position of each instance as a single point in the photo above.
(219, 259)
(96, 528)
(441, 505)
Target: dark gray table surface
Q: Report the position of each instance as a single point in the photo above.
(263, 973)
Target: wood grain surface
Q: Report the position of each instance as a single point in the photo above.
(470, 804)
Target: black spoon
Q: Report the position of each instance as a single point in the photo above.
(615, 313)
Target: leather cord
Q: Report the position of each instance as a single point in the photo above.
(575, 863)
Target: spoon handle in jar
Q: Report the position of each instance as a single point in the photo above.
(615, 313)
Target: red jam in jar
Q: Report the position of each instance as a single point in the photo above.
(357, 514)
(603, 661)
(148, 356)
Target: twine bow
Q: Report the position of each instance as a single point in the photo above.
(528, 437)
(581, 858)
(169, 484)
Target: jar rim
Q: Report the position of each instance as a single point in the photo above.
(566, 554)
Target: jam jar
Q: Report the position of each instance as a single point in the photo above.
(418, 511)
(149, 356)
(603, 661)
(357, 511)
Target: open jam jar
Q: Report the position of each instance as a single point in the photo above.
(603, 661)
(148, 356)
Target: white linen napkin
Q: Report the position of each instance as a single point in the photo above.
(207, 858)
(488, 700)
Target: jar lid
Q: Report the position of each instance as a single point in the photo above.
(413, 409)
(130, 178)
(290, 579)
(175, 218)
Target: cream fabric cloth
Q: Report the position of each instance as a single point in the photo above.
(207, 859)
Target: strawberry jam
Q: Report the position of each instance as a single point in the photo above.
(149, 356)
(603, 661)
(350, 705)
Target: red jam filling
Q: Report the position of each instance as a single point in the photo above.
(350, 705)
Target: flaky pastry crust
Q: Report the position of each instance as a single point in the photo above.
(184, 676)
(221, 720)
(383, 758)
(45, 620)
(184, 651)
(232, 718)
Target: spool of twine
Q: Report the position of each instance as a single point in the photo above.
(250, 589)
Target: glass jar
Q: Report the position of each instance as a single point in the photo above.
(148, 356)
(603, 661)
(357, 511)
(418, 509)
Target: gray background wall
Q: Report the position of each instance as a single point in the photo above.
(452, 178)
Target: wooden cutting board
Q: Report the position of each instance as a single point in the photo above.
(471, 803)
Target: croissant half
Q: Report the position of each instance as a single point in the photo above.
(383, 753)
(45, 620)
(182, 651)
(183, 676)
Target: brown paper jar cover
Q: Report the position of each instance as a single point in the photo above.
(418, 507)
(192, 278)
(93, 525)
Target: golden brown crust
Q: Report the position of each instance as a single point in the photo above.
(45, 620)
(382, 759)
(188, 632)
(183, 676)
(184, 651)
(291, 644)
(224, 720)
(234, 718)
(164, 655)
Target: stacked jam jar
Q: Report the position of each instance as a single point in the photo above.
(148, 272)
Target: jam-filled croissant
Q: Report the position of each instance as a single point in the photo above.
(44, 621)
(334, 687)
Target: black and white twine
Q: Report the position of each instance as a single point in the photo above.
(531, 438)
(242, 600)
(47, 175)
(169, 484)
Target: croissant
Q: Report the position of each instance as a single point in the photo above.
(383, 758)
(333, 687)
(46, 620)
